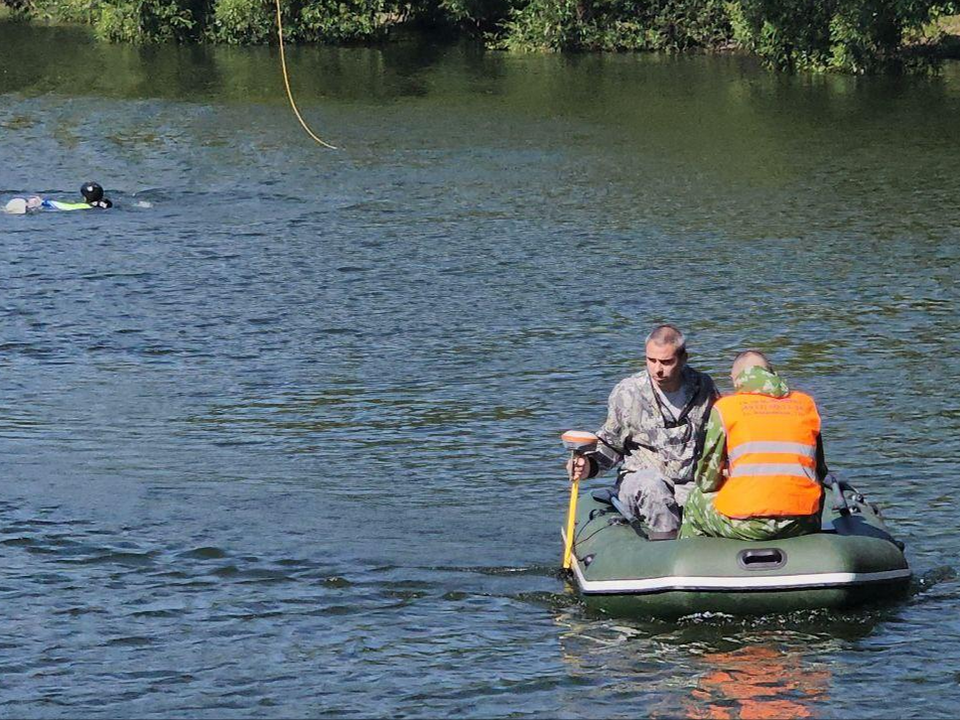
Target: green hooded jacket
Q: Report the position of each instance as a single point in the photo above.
(756, 380)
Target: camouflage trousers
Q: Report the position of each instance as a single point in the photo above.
(653, 498)
(700, 517)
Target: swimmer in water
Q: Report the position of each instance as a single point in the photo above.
(93, 195)
(92, 199)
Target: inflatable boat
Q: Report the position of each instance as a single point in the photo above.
(852, 560)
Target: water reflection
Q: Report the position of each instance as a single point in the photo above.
(711, 666)
(758, 681)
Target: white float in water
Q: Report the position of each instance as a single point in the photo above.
(17, 206)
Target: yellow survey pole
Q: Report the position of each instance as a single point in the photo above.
(577, 442)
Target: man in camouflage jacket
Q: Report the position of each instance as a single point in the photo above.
(655, 429)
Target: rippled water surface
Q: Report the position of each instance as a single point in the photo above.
(280, 430)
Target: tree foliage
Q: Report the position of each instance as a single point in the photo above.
(855, 36)
(858, 36)
(672, 25)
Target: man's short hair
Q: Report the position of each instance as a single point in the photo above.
(668, 334)
(752, 353)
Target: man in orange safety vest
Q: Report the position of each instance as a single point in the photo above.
(759, 476)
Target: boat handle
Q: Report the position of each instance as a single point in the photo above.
(762, 559)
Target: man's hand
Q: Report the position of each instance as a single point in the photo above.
(578, 468)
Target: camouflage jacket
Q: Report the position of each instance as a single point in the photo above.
(640, 435)
(713, 460)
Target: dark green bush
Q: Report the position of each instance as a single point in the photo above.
(855, 36)
(248, 22)
(476, 16)
(137, 21)
(149, 21)
(618, 25)
(348, 20)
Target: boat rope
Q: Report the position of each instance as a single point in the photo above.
(286, 82)
(594, 514)
(611, 522)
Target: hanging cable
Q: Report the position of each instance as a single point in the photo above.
(286, 82)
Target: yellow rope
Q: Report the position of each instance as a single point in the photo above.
(286, 82)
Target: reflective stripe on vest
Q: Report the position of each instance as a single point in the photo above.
(761, 469)
(771, 448)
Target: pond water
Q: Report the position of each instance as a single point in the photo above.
(280, 431)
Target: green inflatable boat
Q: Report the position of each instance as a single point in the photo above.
(853, 560)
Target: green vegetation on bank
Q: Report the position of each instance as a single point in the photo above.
(857, 36)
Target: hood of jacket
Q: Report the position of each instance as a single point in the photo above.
(760, 381)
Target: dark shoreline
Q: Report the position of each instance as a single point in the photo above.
(924, 54)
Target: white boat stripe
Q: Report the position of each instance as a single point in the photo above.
(768, 582)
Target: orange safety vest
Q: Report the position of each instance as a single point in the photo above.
(772, 455)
